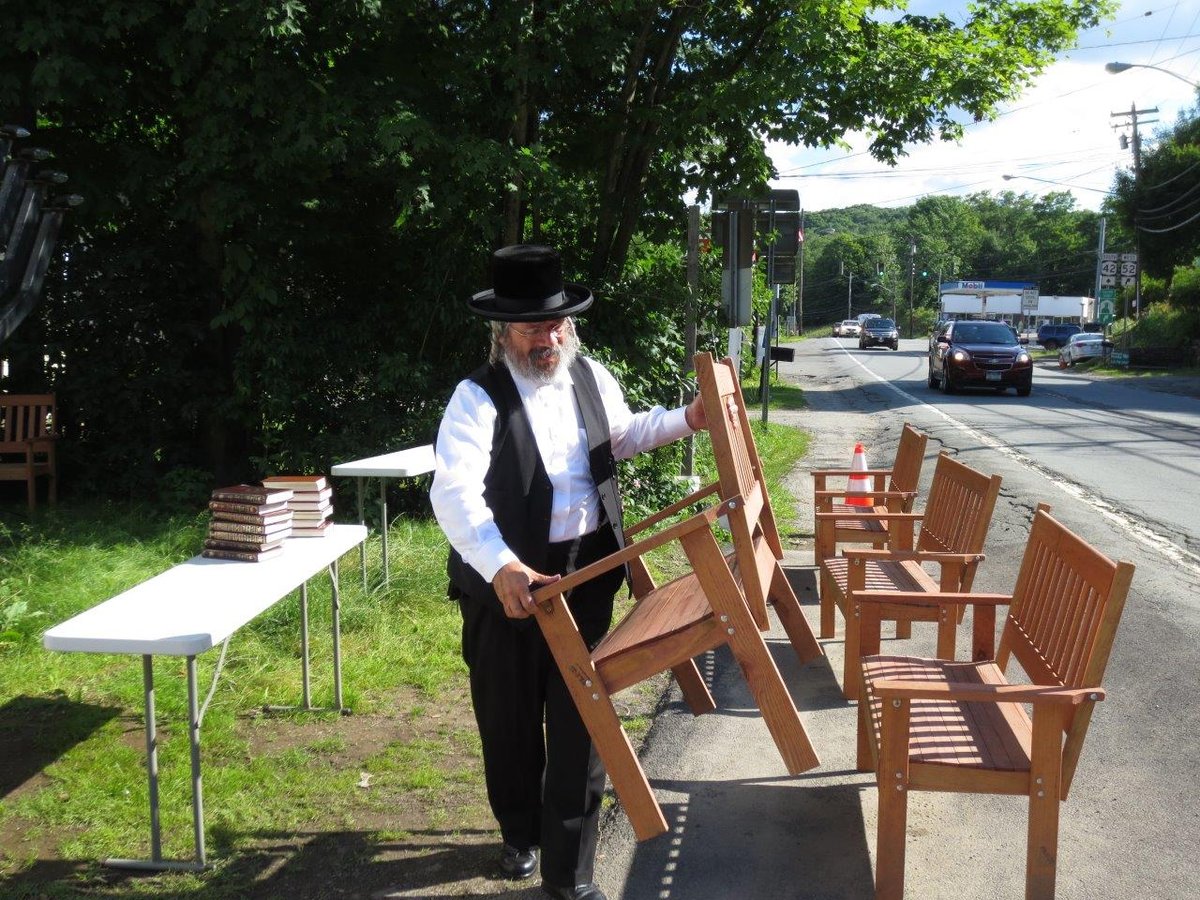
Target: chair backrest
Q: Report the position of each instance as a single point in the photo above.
(906, 469)
(959, 510)
(1063, 619)
(752, 522)
(26, 417)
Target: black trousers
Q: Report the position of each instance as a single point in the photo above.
(544, 779)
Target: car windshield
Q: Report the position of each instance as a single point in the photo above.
(850, 321)
(984, 333)
(881, 323)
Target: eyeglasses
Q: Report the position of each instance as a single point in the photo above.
(550, 329)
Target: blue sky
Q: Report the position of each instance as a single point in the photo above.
(1060, 130)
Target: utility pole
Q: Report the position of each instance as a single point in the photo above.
(689, 334)
(849, 286)
(912, 274)
(800, 286)
(1133, 114)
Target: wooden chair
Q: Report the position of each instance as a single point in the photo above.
(718, 602)
(27, 431)
(953, 528)
(854, 528)
(936, 725)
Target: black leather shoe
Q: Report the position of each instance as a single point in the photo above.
(579, 892)
(518, 864)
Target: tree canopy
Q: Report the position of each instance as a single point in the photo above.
(288, 202)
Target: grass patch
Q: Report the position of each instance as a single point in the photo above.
(82, 794)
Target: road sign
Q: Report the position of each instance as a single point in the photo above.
(1106, 311)
(1108, 293)
(1109, 267)
(1029, 301)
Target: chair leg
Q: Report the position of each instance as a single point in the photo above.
(892, 779)
(774, 701)
(31, 491)
(851, 666)
(865, 756)
(828, 586)
(1045, 788)
(787, 607)
(695, 691)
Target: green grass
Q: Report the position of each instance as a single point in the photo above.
(263, 775)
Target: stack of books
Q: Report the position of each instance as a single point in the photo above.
(311, 503)
(249, 522)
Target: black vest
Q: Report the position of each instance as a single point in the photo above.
(516, 487)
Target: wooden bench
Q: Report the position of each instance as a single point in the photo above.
(27, 431)
(898, 495)
(953, 528)
(717, 603)
(938, 725)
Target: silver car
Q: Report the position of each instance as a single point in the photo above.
(1084, 345)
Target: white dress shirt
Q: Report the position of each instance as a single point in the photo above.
(464, 451)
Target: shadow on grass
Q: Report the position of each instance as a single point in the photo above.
(35, 731)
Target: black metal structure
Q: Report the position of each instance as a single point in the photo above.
(30, 220)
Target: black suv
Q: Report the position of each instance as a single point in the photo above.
(979, 354)
(879, 332)
(1054, 336)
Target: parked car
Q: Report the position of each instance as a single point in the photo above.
(1054, 336)
(847, 328)
(1084, 345)
(979, 354)
(879, 332)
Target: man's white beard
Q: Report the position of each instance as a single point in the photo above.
(566, 351)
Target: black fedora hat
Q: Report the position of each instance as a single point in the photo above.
(527, 286)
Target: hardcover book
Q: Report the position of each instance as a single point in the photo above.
(283, 515)
(251, 493)
(242, 555)
(250, 543)
(253, 509)
(312, 529)
(311, 515)
(309, 505)
(296, 482)
(279, 528)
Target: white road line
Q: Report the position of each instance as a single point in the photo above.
(1139, 532)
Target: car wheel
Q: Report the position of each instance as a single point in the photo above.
(1024, 391)
(1051, 345)
(1062, 363)
(932, 380)
(947, 385)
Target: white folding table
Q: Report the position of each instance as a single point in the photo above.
(401, 464)
(189, 609)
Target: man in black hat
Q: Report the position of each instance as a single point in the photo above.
(525, 490)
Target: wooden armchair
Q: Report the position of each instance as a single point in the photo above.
(27, 438)
(935, 725)
(718, 602)
(851, 527)
(953, 528)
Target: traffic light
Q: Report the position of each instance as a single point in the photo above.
(924, 273)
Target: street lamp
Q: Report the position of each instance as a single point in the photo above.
(1115, 68)
(1081, 187)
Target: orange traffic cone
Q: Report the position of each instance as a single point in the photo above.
(858, 487)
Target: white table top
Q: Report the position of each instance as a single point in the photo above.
(401, 464)
(197, 604)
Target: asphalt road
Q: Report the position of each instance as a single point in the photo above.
(1118, 465)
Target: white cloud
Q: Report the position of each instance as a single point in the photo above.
(1061, 130)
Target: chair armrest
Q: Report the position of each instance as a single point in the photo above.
(677, 507)
(970, 692)
(836, 473)
(887, 495)
(933, 556)
(703, 519)
(920, 598)
(870, 514)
